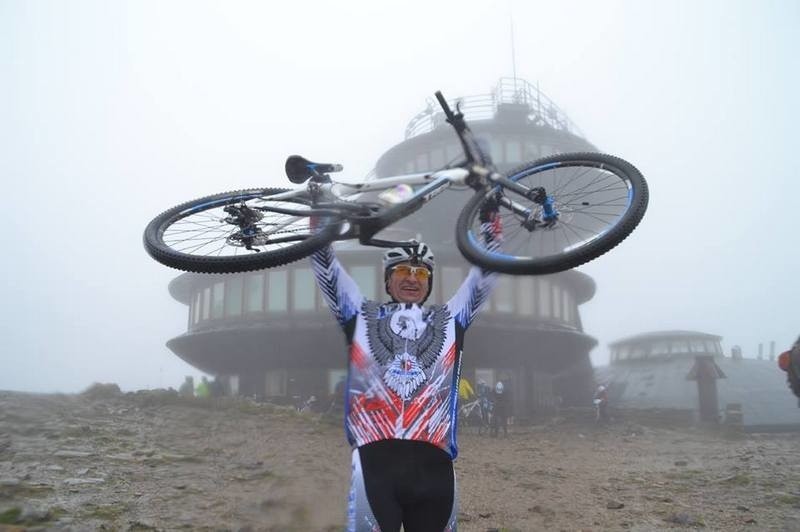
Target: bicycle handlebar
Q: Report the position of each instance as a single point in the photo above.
(446, 108)
(468, 142)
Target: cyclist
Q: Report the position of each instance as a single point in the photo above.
(789, 361)
(484, 395)
(465, 391)
(501, 409)
(401, 398)
(601, 403)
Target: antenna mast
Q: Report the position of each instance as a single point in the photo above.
(513, 53)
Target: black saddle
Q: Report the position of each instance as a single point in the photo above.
(299, 169)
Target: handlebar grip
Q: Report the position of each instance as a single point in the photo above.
(446, 108)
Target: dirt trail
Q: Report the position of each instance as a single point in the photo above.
(151, 460)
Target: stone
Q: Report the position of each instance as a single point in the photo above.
(83, 481)
(614, 505)
(71, 454)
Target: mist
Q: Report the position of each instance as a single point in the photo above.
(113, 112)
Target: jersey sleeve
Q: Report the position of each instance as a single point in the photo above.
(339, 289)
(473, 292)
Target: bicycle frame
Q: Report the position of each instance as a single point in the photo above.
(365, 229)
(366, 220)
(365, 223)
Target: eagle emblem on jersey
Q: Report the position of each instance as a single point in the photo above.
(405, 340)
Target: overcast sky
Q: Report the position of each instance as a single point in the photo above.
(111, 112)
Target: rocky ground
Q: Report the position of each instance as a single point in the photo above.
(154, 461)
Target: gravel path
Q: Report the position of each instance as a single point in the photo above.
(154, 461)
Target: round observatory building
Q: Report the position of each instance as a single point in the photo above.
(269, 334)
(686, 372)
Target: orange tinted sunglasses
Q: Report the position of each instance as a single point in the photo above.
(421, 273)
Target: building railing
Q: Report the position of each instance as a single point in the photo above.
(541, 110)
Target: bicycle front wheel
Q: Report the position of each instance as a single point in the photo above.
(598, 200)
(237, 232)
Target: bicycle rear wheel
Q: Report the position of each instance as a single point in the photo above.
(599, 198)
(237, 232)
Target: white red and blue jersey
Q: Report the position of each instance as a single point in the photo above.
(405, 359)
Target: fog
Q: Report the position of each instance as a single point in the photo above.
(110, 112)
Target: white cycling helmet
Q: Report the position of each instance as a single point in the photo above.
(416, 254)
(498, 388)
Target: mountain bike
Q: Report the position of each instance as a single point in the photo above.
(557, 212)
(470, 415)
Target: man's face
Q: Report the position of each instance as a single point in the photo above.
(408, 284)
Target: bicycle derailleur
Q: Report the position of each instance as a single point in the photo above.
(249, 233)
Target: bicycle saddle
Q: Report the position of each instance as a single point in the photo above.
(299, 169)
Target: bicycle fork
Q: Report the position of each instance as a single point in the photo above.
(536, 194)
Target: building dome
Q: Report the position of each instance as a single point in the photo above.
(665, 345)
(269, 333)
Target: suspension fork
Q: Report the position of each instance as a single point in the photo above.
(536, 194)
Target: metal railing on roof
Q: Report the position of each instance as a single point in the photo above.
(541, 110)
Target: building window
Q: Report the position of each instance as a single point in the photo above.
(504, 294)
(486, 375)
(410, 167)
(697, 346)
(303, 290)
(277, 291)
(437, 158)
(622, 353)
(218, 300)
(496, 147)
(454, 152)
(275, 383)
(531, 151)
(233, 298)
(567, 305)
(451, 279)
(364, 276)
(557, 301)
(513, 151)
(638, 352)
(544, 298)
(660, 348)
(525, 295)
(206, 303)
(233, 384)
(679, 347)
(422, 162)
(254, 293)
(197, 305)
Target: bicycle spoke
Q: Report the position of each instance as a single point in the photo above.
(588, 199)
(215, 232)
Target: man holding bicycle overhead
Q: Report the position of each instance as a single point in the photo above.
(402, 386)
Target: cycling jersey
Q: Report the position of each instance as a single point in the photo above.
(405, 360)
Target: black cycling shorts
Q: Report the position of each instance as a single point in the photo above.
(404, 482)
